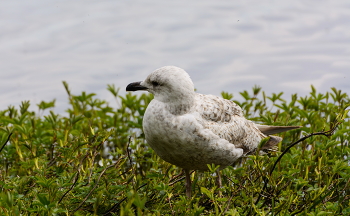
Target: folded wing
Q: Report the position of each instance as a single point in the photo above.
(225, 119)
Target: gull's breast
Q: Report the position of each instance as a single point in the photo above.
(183, 141)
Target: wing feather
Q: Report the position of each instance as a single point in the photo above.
(217, 109)
(269, 130)
(225, 119)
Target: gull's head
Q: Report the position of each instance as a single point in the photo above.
(167, 84)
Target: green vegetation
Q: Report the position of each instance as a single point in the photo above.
(96, 161)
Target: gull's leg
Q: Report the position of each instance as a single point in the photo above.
(218, 179)
(188, 183)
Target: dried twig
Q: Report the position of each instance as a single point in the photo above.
(176, 178)
(122, 200)
(324, 133)
(71, 187)
(233, 193)
(8, 138)
(128, 152)
(98, 180)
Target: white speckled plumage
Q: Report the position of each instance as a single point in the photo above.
(191, 130)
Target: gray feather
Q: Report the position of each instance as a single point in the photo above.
(269, 130)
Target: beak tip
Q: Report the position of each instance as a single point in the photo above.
(135, 86)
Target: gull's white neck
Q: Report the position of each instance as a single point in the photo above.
(180, 104)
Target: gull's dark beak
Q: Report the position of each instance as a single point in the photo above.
(135, 86)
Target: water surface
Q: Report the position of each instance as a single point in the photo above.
(224, 45)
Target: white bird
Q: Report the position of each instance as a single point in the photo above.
(191, 130)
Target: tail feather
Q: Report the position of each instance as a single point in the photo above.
(269, 130)
(270, 145)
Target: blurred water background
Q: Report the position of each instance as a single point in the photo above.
(223, 45)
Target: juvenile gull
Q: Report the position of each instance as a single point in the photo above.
(191, 130)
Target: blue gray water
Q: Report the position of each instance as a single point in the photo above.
(224, 45)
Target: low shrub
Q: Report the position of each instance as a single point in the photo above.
(94, 160)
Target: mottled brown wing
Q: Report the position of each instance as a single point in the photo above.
(225, 119)
(216, 109)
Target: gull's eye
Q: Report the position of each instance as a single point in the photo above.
(155, 83)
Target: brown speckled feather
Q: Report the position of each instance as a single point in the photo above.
(225, 119)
